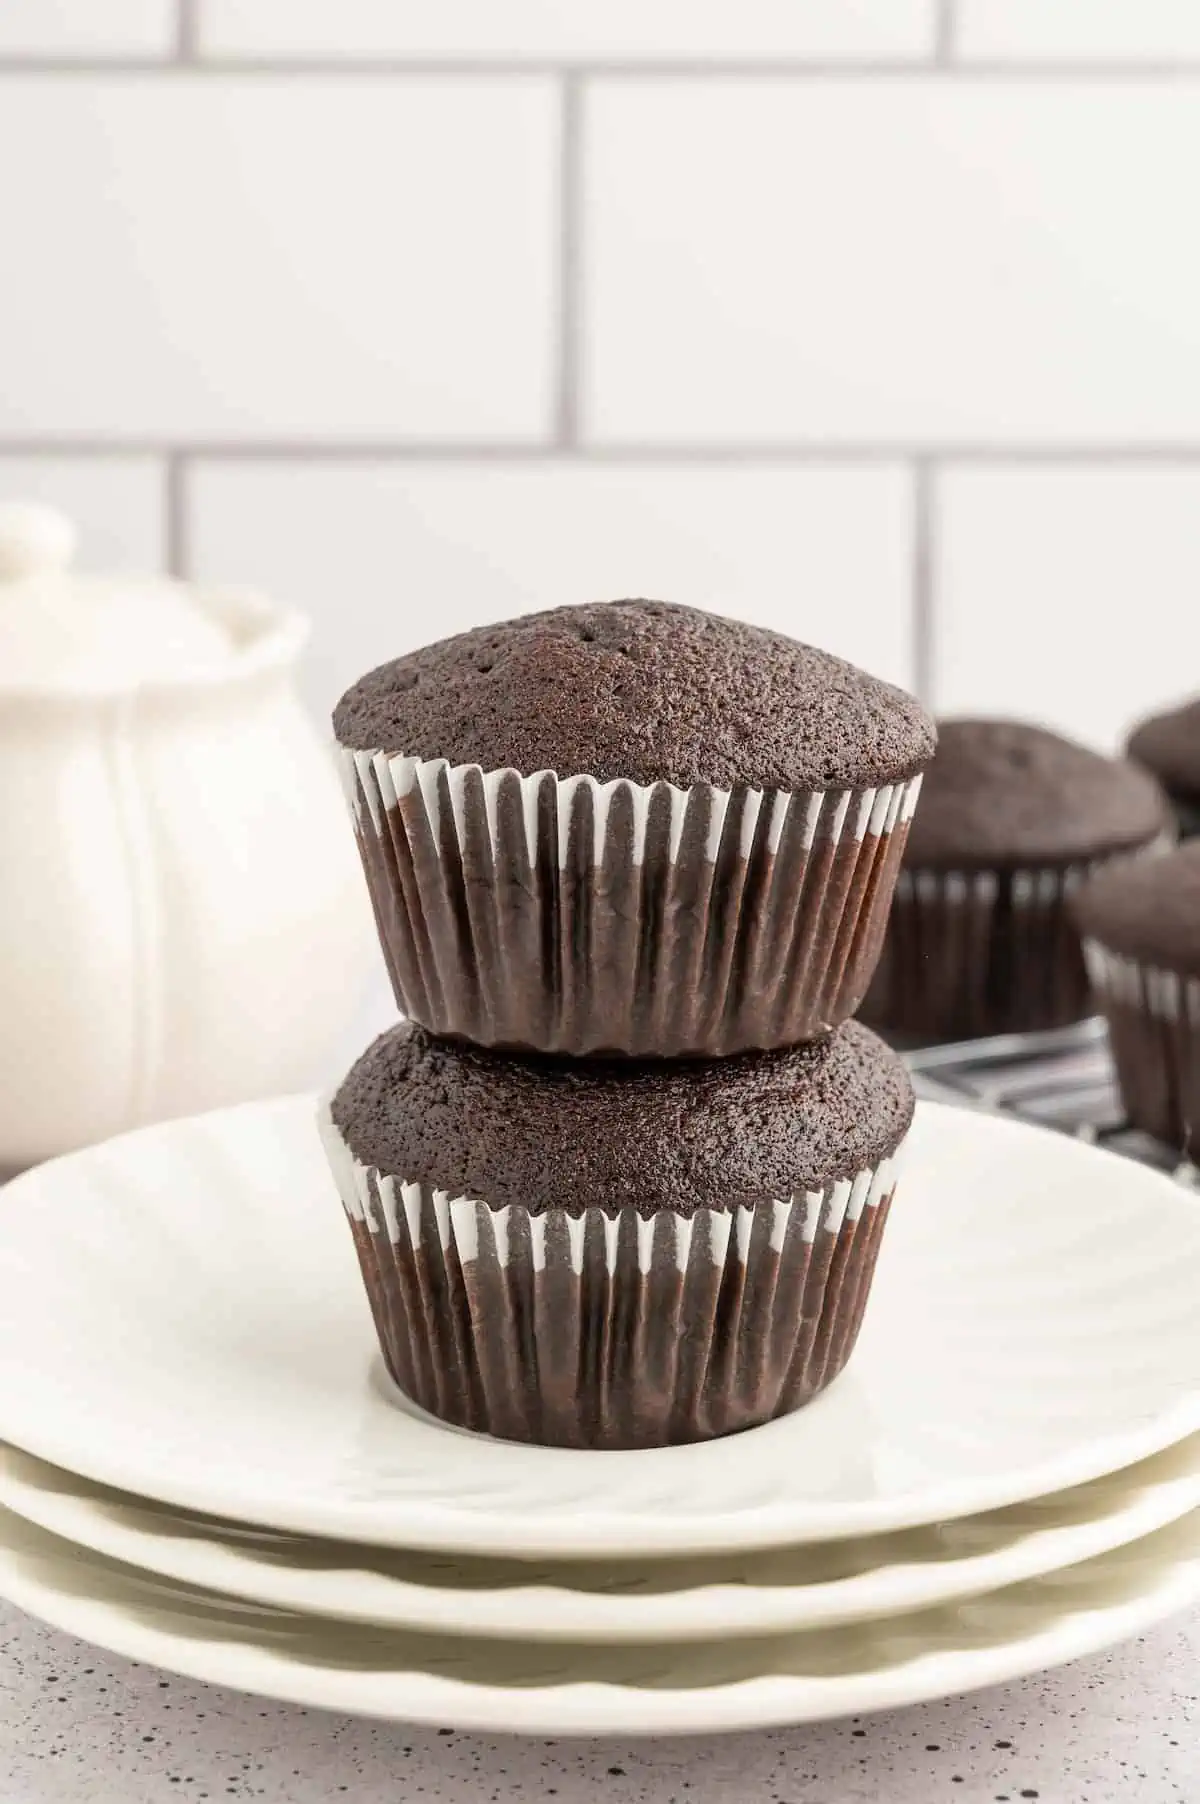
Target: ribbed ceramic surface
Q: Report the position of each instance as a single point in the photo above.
(1032, 1325)
(662, 1599)
(530, 1688)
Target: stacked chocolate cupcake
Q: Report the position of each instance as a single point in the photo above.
(620, 1178)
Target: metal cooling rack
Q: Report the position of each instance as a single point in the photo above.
(1061, 1080)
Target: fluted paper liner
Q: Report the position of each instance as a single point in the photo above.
(612, 1329)
(968, 954)
(570, 916)
(1154, 1030)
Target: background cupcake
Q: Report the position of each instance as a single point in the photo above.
(626, 1255)
(630, 828)
(1168, 745)
(1141, 927)
(1013, 818)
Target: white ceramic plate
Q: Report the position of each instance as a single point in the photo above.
(181, 1317)
(597, 1601)
(536, 1688)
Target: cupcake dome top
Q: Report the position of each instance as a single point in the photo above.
(677, 1135)
(1147, 909)
(1169, 745)
(1000, 794)
(642, 690)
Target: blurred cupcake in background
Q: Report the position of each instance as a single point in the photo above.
(1168, 745)
(630, 828)
(1141, 928)
(1013, 819)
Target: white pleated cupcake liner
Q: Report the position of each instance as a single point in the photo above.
(974, 953)
(571, 916)
(1165, 995)
(612, 1328)
(1037, 888)
(1153, 1018)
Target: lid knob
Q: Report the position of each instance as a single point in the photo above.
(34, 540)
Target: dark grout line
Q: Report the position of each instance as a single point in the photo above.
(94, 66)
(781, 69)
(924, 579)
(570, 265)
(276, 450)
(316, 451)
(809, 451)
(946, 30)
(175, 514)
(187, 32)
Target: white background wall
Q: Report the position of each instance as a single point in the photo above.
(877, 320)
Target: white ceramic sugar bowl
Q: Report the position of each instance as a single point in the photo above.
(182, 916)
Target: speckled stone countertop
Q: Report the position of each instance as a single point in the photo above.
(78, 1727)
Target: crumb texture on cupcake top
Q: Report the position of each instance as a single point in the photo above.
(1169, 745)
(566, 1134)
(1003, 795)
(1147, 909)
(645, 690)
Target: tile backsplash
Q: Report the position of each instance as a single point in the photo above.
(393, 554)
(875, 320)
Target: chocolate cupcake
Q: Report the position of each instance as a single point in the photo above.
(630, 828)
(1168, 746)
(980, 940)
(1141, 928)
(625, 1254)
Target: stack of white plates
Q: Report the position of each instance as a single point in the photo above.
(203, 1467)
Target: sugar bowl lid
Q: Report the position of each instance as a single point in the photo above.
(63, 631)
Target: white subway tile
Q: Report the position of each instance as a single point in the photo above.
(257, 258)
(99, 29)
(1067, 595)
(1119, 31)
(909, 262)
(115, 503)
(387, 557)
(664, 29)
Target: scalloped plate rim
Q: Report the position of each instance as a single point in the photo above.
(582, 1708)
(107, 1524)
